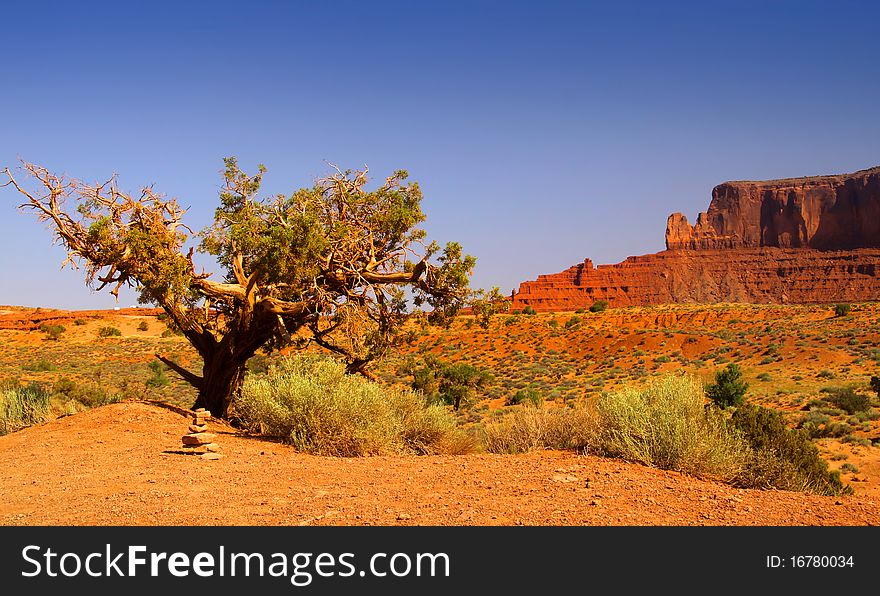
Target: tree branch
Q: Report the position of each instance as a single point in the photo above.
(191, 378)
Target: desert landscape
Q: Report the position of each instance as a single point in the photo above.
(107, 462)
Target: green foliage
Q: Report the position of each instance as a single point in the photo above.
(580, 311)
(453, 384)
(22, 406)
(782, 458)
(485, 305)
(313, 404)
(529, 395)
(841, 310)
(41, 365)
(79, 322)
(143, 326)
(599, 306)
(573, 322)
(528, 310)
(729, 389)
(849, 401)
(53, 331)
(667, 425)
(109, 331)
(158, 378)
(875, 385)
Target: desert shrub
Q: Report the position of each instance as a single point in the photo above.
(667, 425)
(841, 310)
(158, 378)
(599, 306)
(79, 322)
(23, 406)
(109, 331)
(528, 310)
(52, 331)
(849, 401)
(41, 365)
(143, 326)
(529, 428)
(553, 323)
(525, 395)
(311, 402)
(814, 424)
(848, 467)
(580, 311)
(782, 458)
(875, 385)
(662, 359)
(64, 386)
(728, 389)
(764, 377)
(92, 395)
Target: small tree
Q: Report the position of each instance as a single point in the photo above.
(875, 385)
(599, 306)
(453, 384)
(327, 265)
(729, 389)
(841, 310)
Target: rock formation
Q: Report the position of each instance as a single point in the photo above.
(199, 441)
(798, 240)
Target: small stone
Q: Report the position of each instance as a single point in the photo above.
(211, 456)
(213, 447)
(198, 410)
(198, 428)
(200, 420)
(403, 516)
(199, 439)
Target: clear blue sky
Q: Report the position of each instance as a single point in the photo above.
(542, 132)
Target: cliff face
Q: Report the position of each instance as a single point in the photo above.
(782, 241)
(823, 212)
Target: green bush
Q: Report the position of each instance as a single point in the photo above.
(841, 310)
(109, 332)
(143, 326)
(53, 331)
(41, 365)
(23, 406)
(313, 404)
(849, 401)
(79, 322)
(667, 425)
(528, 310)
(525, 395)
(728, 389)
(580, 311)
(158, 378)
(572, 322)
(875, 385)
(599, 306)
(782, 458)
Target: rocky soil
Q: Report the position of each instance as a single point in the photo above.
(123, 464)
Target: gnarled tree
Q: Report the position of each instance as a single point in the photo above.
(328, 264)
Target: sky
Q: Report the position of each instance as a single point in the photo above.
(541, 133)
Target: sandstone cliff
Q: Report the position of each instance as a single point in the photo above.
(798, 240)
(822, 212)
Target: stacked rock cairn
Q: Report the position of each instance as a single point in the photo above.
(199, 441)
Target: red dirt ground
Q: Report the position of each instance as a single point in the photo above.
(120, 465)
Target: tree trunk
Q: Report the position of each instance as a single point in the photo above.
(222, 378)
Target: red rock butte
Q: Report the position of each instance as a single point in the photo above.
(798, 240)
